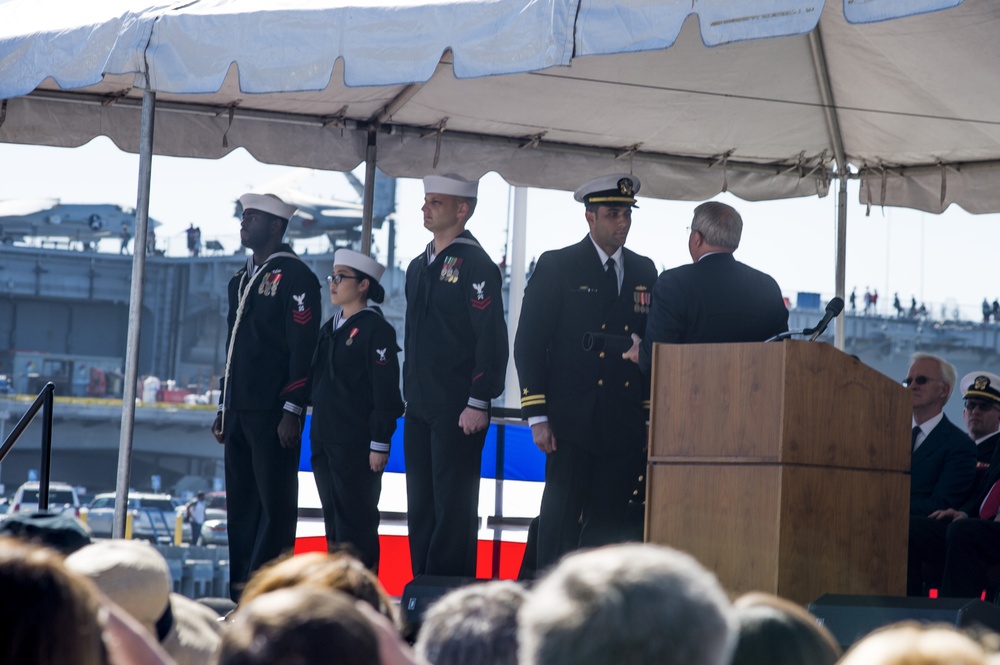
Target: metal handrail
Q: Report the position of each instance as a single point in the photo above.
(44, 403)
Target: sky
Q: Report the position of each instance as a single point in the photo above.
(941, 260)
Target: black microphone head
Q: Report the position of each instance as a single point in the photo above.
(835, 306)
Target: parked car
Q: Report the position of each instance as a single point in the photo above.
(154, 516)
(215, 530)
(62, 498)
(215, 506)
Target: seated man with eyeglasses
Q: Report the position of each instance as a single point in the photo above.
(943, 461)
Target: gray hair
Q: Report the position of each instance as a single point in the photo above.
(473, 624)
(948, 372)
(719, 224)
(627, 605)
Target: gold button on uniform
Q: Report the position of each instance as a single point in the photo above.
(626, 384)
(600, 382)
(603, 326)
(601, 354)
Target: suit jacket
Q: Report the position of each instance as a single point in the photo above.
(942, 470)
(595, 397)
(718, 299)
(985, 450)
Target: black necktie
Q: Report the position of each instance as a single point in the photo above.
(611, 276)
(916, 433)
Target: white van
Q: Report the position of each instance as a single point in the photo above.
(62, 499)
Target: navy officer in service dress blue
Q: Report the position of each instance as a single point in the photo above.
(274, 310)
(587, 408)
(356, 401)
(455, 363)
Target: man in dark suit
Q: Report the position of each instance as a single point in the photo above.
(943, 461)
(587, 408)
(716, 298)
(942, 465)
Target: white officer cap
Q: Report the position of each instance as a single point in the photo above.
(267, 203)
(985, 385)
(360, 262)
(452, 185)
(614, 189)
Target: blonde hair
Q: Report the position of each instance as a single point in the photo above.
(338, 571)
(912, 643)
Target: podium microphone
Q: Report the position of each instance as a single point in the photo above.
(833, 308)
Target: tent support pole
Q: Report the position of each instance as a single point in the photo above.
(368, 204)
(841, 258)
(134, 313)
(516, 262)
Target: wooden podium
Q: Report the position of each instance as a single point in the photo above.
(782, 467)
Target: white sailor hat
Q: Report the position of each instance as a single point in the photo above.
(360, 262)
(268, 203)
(452, 185)
(985, 385)
(614, 189)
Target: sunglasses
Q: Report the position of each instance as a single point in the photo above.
(919, 380)
(972, 405)
(337, 279)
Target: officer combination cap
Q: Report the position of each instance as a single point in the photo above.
(267, 203)
(985, 385)
(451, 185)
(614, 189)
(360, 262)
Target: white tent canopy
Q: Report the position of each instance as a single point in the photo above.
(763, 98)
(547, 93)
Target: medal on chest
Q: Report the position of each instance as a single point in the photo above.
(350, 337)
(642, 297)
(449, 269)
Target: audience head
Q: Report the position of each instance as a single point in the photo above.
(930, 380)
(299, 626)
(49, 615)
(136, 577)
(62, 533)
(778, 632)
(473, 624)
(981, 392)
(627, 605)
(917, 644)
(716, 227)
(339, 572)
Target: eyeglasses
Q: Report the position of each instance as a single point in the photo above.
(919, 380)
(973, 404)
(337, 279)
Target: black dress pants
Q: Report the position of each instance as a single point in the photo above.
(349, 491)
(442, 491)
(262, 493)
(973, 548)
(585, 500)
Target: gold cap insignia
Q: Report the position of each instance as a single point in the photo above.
(981, 383)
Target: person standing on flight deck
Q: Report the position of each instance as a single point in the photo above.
(355, 398)
(274, 310)
(587, 408)
(455, 363)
